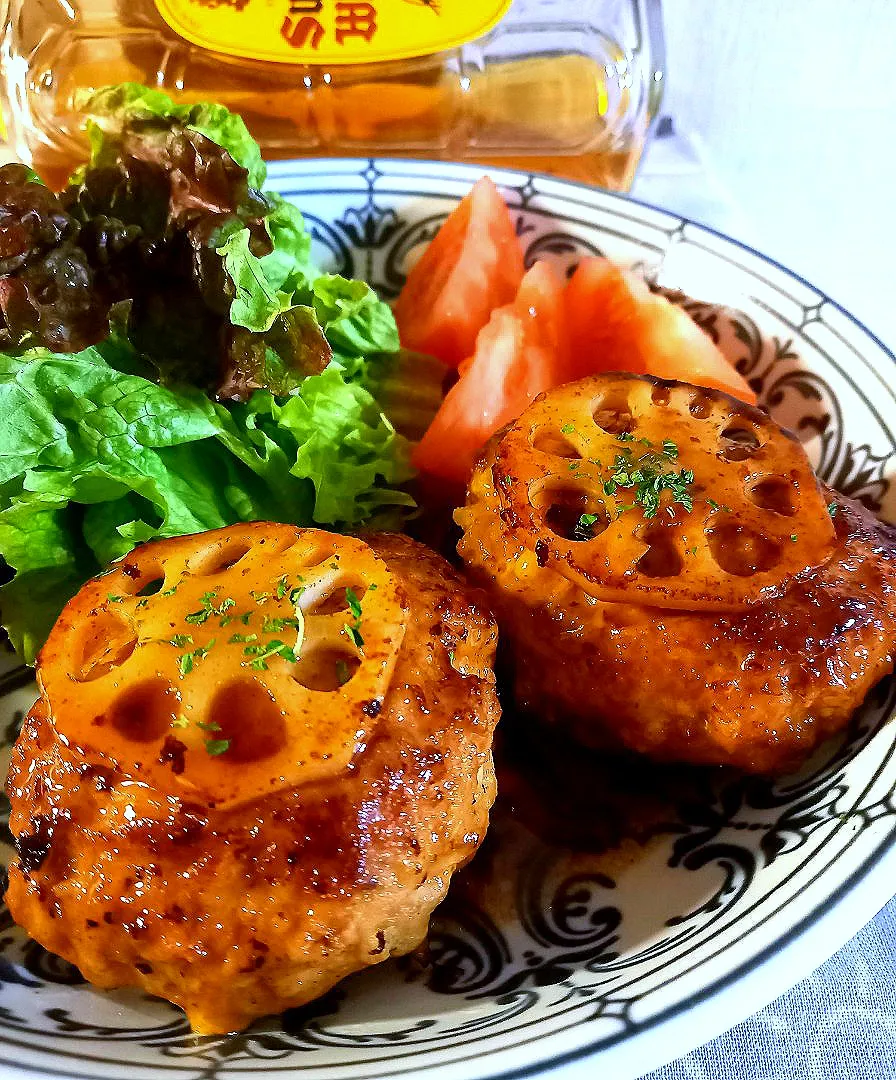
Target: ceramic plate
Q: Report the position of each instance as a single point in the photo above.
(614, 960)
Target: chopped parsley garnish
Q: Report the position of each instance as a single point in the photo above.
(209, 608)
(187, 661)
(275, 626)
(648, 475)
(262, 653)
(584, 527)
(715, 507)
(793, 538)
(353, 629)
(180, 640)
(568, 429)
(832, 509)
(212, 746)
(342, 672)
(169, 592)
(114, 599)
(354, 604)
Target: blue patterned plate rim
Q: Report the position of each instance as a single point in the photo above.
(801, 946)
(281, 169)
(806, 945)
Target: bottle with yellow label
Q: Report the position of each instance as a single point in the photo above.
(562, 86)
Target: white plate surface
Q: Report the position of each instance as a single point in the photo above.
(597, 964)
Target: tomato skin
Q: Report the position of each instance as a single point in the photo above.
(605, 319)
(519, 353)
(602, 321)
(473, 265)
(676, 348)
(540, 298)
(615, 323)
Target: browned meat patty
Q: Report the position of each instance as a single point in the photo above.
(239, 831)
(756, 687)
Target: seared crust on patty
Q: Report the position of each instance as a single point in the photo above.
(240, 908)
(758, 689)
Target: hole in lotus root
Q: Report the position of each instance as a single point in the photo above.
(700, 406)
(247, 716)
(143, 713)
(151, 587)
(611, 412)
(662, 558)
(775, 494)
(220, 558)
(335, 601)
(322, 554)
(549, 442)
(738, 443)
(108, 641)
(741, 550)
(568, 512)
(285, 543)
(326, 669)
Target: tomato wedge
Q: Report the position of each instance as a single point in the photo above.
(520, 352)
(602, 320)
(676, 348)
(615, 323)
(473, 265)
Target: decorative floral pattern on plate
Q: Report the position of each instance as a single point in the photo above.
(541, 951)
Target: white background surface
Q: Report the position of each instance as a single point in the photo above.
(792, 104)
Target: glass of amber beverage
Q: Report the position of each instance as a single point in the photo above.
(563, 86)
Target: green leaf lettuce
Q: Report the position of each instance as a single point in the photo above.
(93, 460)
(112, 108)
